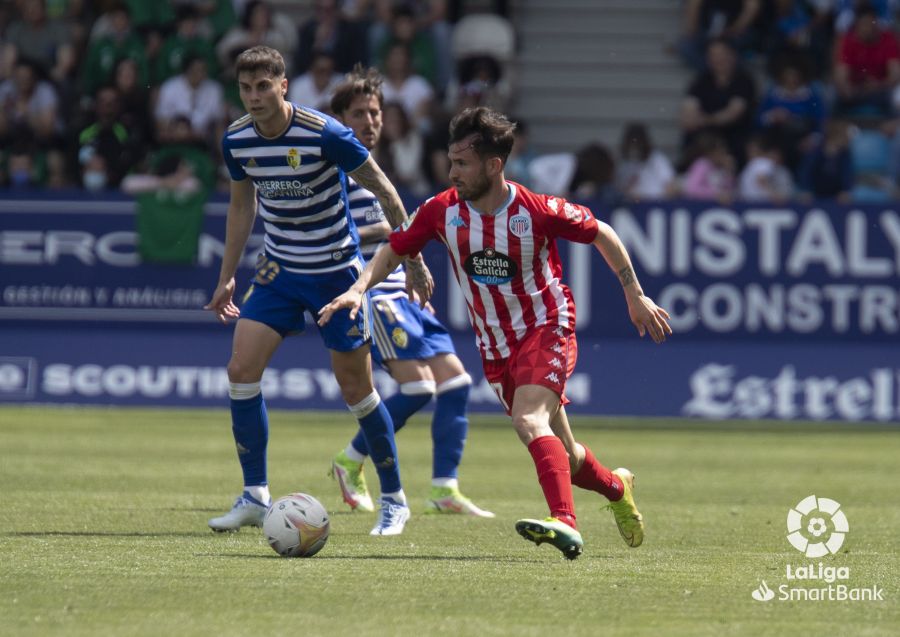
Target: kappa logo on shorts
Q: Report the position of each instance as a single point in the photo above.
(559, 332)
(400, 337)
(557, 348)
(555, 362)
(519, 225)
(553, 378)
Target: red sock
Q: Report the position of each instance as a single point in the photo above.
(593, 476)
(552, 464)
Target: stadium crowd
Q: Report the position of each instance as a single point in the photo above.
(792, 99)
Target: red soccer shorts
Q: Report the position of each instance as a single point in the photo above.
(545, 357)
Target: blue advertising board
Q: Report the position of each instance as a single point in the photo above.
(185, 366)
(778, 313)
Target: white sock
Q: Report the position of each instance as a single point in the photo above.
(353, 454)
(396, 496)
(451, 483)
(260, 492)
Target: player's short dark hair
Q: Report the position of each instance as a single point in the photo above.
(260, 58)
(493, 131)
(360, 81)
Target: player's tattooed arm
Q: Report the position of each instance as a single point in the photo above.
(646, 315)
(419, 282)
(372, 178)
(626, 276)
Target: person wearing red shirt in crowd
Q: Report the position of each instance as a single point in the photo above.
(868, 67)
(501, 240)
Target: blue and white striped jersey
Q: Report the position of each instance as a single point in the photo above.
(301, 187)
(365, 210)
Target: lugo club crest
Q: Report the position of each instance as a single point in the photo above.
(490, 267)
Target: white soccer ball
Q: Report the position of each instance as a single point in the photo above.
(296, 525)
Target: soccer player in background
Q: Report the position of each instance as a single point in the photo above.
(501, 240)
(406, 340)
(291, 163)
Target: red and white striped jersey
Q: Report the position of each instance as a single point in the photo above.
(507, 264)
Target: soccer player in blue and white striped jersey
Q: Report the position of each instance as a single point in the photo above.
(407, 341)
(290, 164)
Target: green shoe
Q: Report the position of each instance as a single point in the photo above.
(552, 530)
(450, 500)
(628, 518)
(352, 481)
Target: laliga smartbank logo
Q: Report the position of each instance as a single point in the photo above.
(817, 527)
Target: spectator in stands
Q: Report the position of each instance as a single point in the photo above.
(478, 83)
(403, 30)
(182, 144)
(827, 170)
(765, 178)
(643, 172)
(187, 40)
(45, 42)
(194, 96)
(95, 173)
(870, 151)
(21, 170)
(153, 14)
(105, 52)
(315, 87)
(720, 100)
(134, 102)
(588, 173)
(710, 176)
(595, 174)
(705, 20)
(108, 137)
(401, 152)
(793, 28)
(867, 68)
(175, 176)
(793, 110)
(328, 31)
(845, 12)
(260, 25)
(520, 157)
(401, 85)
(29, 108)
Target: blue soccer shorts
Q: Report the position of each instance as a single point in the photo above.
(278, 298)
(403, 331)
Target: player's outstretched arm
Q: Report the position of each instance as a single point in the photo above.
(372, 178)
(382, 264)
(644, 313)
(239, 224)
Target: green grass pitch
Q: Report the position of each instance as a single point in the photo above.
(103, 532)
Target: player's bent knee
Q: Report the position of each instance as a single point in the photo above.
(240, 372)
(530, 426)
(354, 388)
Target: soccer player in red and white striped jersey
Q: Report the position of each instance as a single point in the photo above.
(501, 240)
